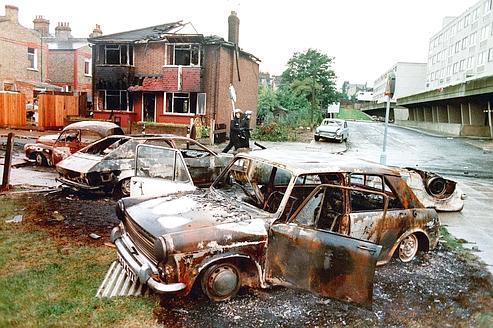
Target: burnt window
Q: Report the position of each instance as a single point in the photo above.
(116, 100)
(362, 201)
(376, 183)
(184, 54)
(32, 58)
(115, 54)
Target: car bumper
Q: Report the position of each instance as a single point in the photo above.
(329, 136)
(139, 267)
(78, 185)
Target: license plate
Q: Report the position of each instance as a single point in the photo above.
(127, 269)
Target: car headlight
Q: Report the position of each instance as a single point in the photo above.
(160, 249)
(338, 132)
(317, 130)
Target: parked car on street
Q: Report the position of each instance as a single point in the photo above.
(51, 149)
(332, 129)
(109, 164)
(276, 218)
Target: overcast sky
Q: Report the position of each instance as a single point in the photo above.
(365, 37)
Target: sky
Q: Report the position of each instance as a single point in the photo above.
(365, 37)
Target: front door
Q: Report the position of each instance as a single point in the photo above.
(307, 253)
(159, 171)
(149, 107)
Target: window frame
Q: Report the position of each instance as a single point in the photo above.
(113, 47)
(34, 55)
(88, 65)
(181, 46)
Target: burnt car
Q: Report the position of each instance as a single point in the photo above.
(51, 149)
(433, 190)
(109, 164)
(276, 218)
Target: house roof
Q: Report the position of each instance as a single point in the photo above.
(151, 33)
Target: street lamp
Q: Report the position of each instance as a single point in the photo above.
(389, 92)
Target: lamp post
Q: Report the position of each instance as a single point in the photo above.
(389, 93)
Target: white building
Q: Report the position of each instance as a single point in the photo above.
(463, 48)
(409, 79)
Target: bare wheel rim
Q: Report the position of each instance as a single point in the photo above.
(39, 159)
(125, 187)
(408, 248)
(222, 282)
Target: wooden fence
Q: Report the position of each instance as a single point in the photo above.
(52, 110)
(12, 110)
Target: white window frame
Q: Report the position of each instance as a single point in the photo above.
(168, 46)
(197, 108)
(118, 47)
(89, 66)
(35, 59)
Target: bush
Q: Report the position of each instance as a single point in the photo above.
(274, 131)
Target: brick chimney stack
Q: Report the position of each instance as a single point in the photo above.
(42, 25)
(63, 31)
(233, 28)
(12, 13)
(96, 32)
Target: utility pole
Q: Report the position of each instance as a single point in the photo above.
(389, 93)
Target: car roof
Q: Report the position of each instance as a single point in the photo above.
(98, 126)
(334, 119)
(305, 162)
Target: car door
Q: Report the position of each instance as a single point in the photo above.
(68, 142)
(307, 253)
(159, 171)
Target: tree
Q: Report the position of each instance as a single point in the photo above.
(267, 101)
(317, 66)
(309, 88)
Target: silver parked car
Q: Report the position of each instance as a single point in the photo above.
(332, 128)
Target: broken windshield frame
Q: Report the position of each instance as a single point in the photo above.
(259, 184)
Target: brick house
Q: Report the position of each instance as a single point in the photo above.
(69, 58)
(171, 74)
(23, 56)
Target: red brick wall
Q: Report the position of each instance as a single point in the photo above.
(190, 79)
(61, 67)
(170, 78)
(149, 58)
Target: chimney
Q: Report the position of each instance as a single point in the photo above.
(12, 13)
(233, 28)
(63, 31)
(42, 25)
(96, 32)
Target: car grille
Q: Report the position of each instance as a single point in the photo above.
(144, 245)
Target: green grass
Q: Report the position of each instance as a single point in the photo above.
(49, 283)
(352, 114)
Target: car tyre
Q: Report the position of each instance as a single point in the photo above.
(221, 282)
(122, 189)
(40, 159)
(408, 247)
(317, 138)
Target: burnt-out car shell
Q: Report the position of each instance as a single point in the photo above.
(110, 163)
(260, 224)
(51, 149)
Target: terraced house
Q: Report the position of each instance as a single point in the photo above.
(170, 73)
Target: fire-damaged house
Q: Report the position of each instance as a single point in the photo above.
(169, 73)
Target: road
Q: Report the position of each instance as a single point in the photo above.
(470, 166)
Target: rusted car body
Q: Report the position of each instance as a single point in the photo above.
(433, 190)
(110, 163)
(51, 149)
(276, 218)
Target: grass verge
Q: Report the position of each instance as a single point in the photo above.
(352, 114)
(48, 283)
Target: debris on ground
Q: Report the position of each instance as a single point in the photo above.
(15, 219)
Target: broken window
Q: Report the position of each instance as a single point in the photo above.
(32, 58)
(115, 54)
(183, 54)
(376, 183)
(116, 100)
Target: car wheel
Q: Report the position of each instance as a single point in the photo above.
(408, 248)
(317, 138)
(122, 189)
(40, 159)
(221, 282)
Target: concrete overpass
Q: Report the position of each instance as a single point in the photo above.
(463, 109)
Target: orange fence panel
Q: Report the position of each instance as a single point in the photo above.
(53, 109)
(12, 109)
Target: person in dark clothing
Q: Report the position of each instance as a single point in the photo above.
(244, 136)
(234, 131)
